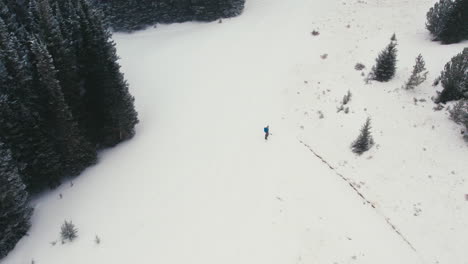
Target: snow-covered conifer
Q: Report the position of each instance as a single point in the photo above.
(385, 66)
(447, 21)
(454, 78)
(364, 141)
(15, 213)
(418, 75)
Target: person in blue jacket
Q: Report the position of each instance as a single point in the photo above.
(267, 132)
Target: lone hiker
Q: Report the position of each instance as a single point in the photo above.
(267, 132)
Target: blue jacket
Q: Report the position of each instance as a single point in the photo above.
(266, 129)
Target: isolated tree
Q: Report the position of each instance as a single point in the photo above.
(385, 66)
(15, 213)
(418, 75)
(448, 21)
(364, 141)
(454, 78)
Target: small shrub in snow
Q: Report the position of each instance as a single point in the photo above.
(315, 33)
(68, 231)
(438, 107)
(419, 74)
(385, 66)
(364, 141)
(346, 98)
(454, 79)
(359, 66)
(448, 21)
(97, 240)
(320, 114)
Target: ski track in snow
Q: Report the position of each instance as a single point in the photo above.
(360, 195)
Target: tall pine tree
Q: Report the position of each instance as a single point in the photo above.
(76, 153)
(110, 116)
(15, 213)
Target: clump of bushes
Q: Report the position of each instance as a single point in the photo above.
(447, 21)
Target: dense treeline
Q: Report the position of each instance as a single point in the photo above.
(127, 15)
(62, 98)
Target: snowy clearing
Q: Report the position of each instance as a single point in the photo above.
(199, 184)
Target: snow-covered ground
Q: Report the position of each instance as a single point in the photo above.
(198, 183)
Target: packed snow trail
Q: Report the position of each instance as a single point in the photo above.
(198, 183)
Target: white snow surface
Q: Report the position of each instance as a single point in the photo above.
(199, 184)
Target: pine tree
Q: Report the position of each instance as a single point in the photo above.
(63, 54)
(454, 78)
(364, 141)
(76, 153)
(15, 64)
(15, 213)
(111, 114)
(419, 74)
(448, 21)
(455, 27)
(385, 66)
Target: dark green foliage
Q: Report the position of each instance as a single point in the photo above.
(385, 66)
(75, 152)
(454, 78)
(448, 21)
(364, 141)
(128, 15)
(110, 116)
(15, 213)
(62, 96)
(418, 75)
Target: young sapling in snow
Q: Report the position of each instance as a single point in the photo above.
(364, 141)
(68, 231)
(346, 98)
(418, 75)
(385, 66)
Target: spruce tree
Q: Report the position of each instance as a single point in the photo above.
(111, 116)
(447, 21)
(63, 54)
(76, 153)
(364, 141)
(454, 78)
(15, 213)
(385, 66)
(418, 75)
